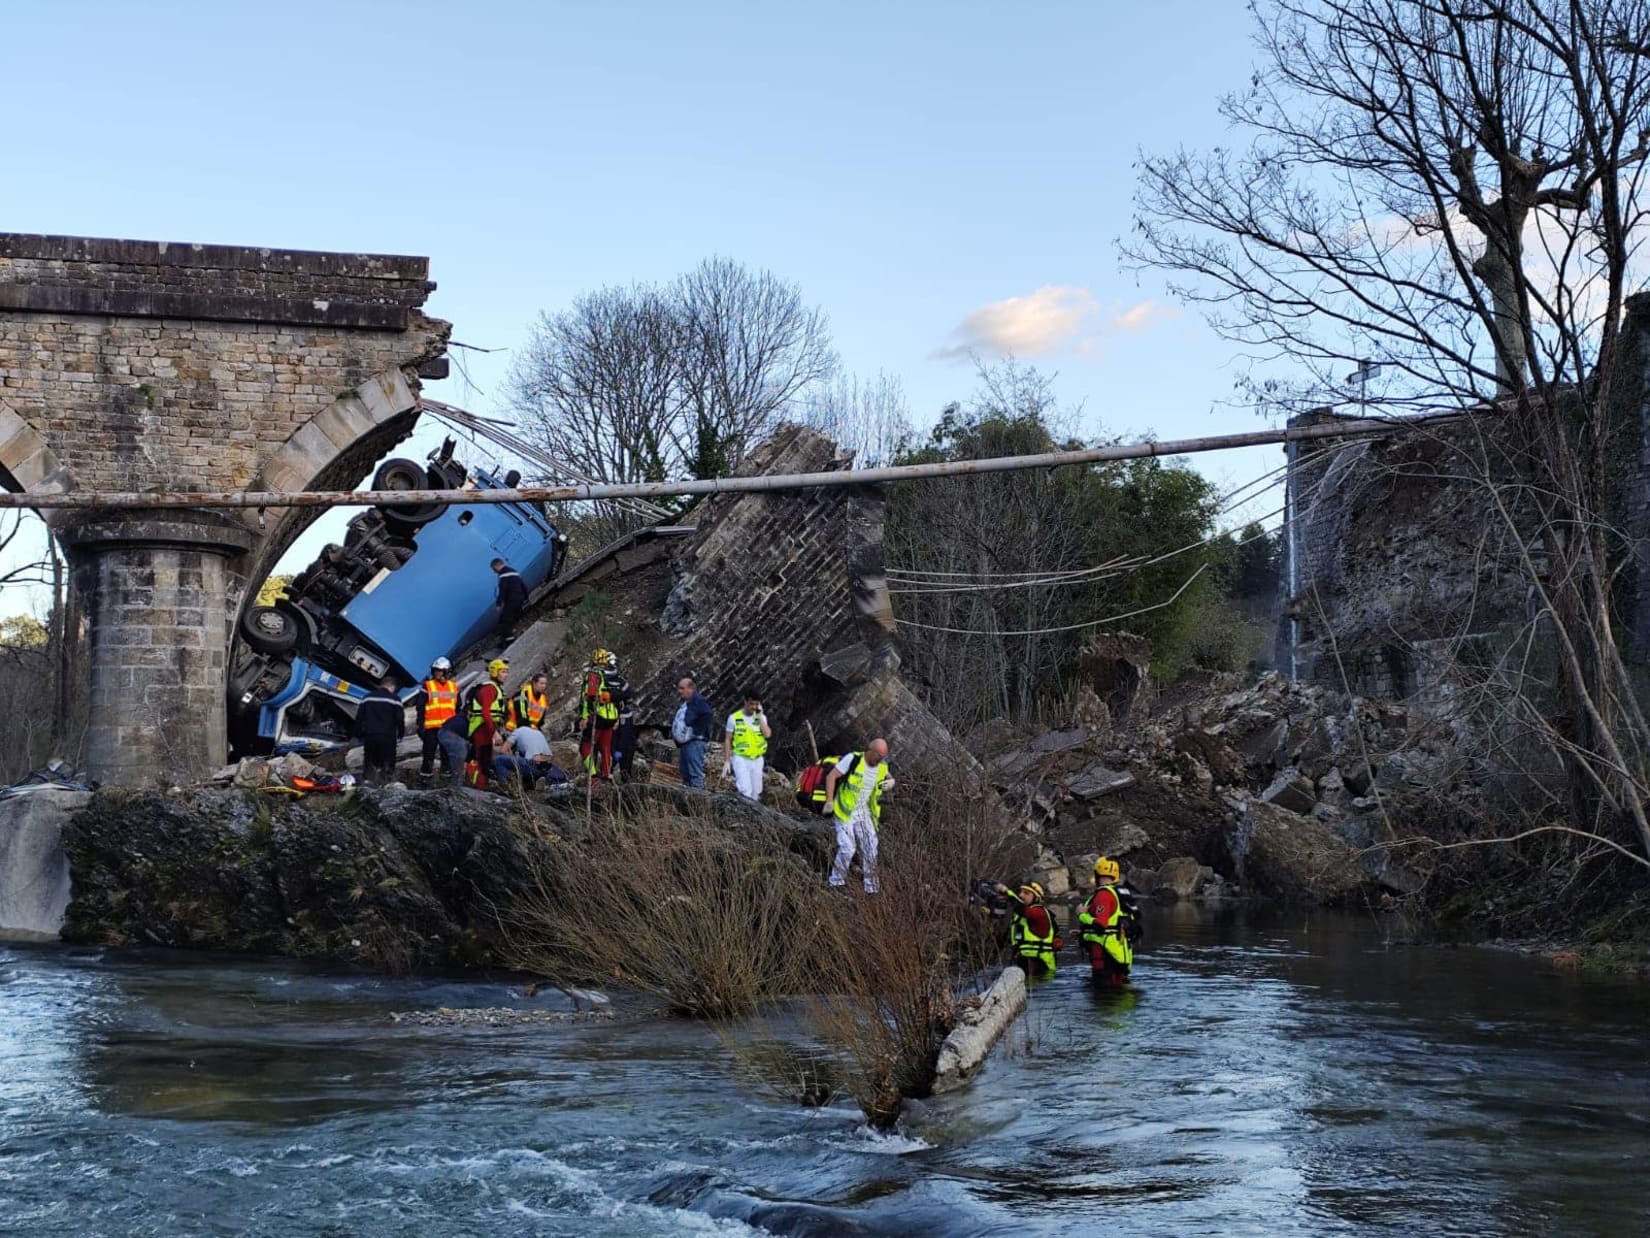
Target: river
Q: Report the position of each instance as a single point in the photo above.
(1272, 1074)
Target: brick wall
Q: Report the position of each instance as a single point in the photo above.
(147, 365)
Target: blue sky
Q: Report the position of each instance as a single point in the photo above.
(934, 175)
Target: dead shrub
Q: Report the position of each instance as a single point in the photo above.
(672, 907)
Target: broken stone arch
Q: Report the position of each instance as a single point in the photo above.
(28, 465)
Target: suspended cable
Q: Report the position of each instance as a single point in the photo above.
(1070, 627)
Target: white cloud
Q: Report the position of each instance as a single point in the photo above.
(1053, 320)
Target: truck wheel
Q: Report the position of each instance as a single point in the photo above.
(404, 474)
(269, 630)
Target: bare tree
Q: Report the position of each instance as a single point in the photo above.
(647, 382)
(867, 416)
(30, 673)
(1455, 189)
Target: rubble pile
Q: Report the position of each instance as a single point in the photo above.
(1276, 788)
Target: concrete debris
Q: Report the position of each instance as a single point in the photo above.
(978, 1029)
(34, 872)
(1097, 780)
(1292, 790)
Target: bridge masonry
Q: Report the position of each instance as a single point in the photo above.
(134, 365)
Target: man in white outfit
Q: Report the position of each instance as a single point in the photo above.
(853, 794)
(745, 744)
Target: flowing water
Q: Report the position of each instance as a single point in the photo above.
(1271, 1075)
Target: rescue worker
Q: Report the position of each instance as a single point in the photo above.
(1110, 926)
(853, 795)
(1033, 932)
(599, 699)
(528, 707)
(380, 721)
(745, 744)
(512, 597)
(484, 719)
(437, 704)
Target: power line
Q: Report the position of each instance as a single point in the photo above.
(1070, 627)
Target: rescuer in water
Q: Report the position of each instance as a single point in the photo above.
(512, 597)
(1110, 922)
(486, 716)
(437, 703)
(1033, 932)
(745, 744)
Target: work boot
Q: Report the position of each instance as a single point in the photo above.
(426, 779)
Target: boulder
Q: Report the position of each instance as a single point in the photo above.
(34, 872)
(1291, 790)
(1050, 872)
(1142, 880)
(1182, 877)
(1097, 780)
(1298, 859)
(1331, 788)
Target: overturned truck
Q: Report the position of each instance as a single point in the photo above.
(410, 583)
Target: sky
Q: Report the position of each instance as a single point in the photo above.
(940, 177)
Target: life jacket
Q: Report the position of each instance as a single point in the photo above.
(748, 740)
(1029, 944)
(440, 702)
(599, 704)
(849, 789)
(500, 708)
(1112, 934)
(527, 709)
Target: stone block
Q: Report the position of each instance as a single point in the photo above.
(1291, 790)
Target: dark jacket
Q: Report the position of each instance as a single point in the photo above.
(512, 592)
(699, 716)
(380, 716)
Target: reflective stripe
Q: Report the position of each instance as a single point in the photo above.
(1109, 935)
(440, 702)
(499, 710)
(849, 789)
(748, 740)
(527, 709)
(1029, 944)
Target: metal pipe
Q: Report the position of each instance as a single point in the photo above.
(759, 484)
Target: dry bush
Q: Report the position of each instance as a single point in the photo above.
(672, 907)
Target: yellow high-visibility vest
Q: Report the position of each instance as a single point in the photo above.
(748, 740)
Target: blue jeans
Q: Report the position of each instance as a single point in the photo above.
(507, 766)
(692, 762)
(455, 750)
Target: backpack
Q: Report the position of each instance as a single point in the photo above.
(810, 787)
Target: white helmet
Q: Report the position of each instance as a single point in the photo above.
(441, 664)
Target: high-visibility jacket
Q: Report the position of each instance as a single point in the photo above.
(527, 709)
(600, 703)
(1111, 933)
(440, 702)
(499, 709)
(1029, 944)
(850, 787)
(748, 740)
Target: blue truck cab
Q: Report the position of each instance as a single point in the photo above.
(410, 584)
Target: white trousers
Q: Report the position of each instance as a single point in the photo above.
(855, 834)
(747, 776)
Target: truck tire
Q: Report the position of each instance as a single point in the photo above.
(403, 474)
(269, 630)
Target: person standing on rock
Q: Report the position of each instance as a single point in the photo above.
(691, 731)
(437, 704)
(380, 721)
(853, 795)
(528, 707)
(484, 720)
(600, 698)
(1110, 924)
(512, 598)
(1033, 931)
(745, 745)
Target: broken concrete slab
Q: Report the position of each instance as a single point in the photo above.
(1291, 790)
(1051, 742)
(978, 1030)
(34, 872)
(1097, 780)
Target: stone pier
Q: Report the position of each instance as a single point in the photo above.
(136, 365)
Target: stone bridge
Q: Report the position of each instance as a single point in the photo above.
(136, 365)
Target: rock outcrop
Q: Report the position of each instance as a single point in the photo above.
(393, 879)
